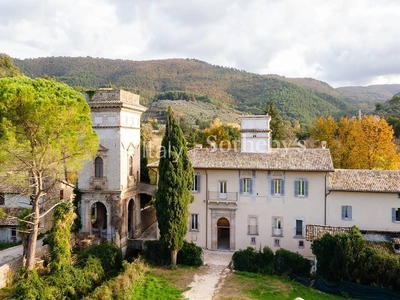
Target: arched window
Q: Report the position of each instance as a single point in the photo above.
(98, 167)
(131, 165)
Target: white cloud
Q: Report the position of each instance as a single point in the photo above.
(340, 42)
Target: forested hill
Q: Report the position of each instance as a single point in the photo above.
(226, 87)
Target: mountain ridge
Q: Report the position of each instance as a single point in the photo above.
(297, 99)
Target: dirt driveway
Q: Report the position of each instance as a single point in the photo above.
(211, 276)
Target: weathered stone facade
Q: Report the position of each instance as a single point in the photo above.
(110, 204)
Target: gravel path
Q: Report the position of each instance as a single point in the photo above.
(206, 284)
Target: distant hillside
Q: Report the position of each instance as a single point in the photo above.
(193, 111)
(366, 97)
(226, 87)
(361, 97)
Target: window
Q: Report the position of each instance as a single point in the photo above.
(222, 189)
(252, 227)
(130, 165)
(246, 186)
(253, 241)
(277, 242)
(196, 183)
(301, 187)
(2, 198)
(395, 214)
(301, 244)
(194, 222)
(277, 226)
(98, 167)
(61, 194)
(277, 187)
(299, 228)
(98, 120)
(111, 120)
(13, 232)
(347, 212)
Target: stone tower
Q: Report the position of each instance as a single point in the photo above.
(110, 206)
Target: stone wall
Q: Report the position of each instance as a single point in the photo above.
(148, 217)
(9, 271)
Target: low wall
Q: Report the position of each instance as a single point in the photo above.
(9, 271)
(148, 217)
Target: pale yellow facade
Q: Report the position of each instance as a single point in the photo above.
(369, 210)
(251, 215)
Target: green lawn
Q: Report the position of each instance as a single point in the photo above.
(161, 283)
(243, 285)
(153, 288)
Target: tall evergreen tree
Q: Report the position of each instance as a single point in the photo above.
(276, 124)
(174, 188)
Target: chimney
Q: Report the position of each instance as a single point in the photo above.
(323, 144)
(255, 134)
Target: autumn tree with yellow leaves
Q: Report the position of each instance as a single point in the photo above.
(365, 143)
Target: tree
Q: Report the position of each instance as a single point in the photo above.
(366, 143)
(60, 236)
(276, 124)
(7, 67)
(325, 129)
(45, 137)
(174, 188)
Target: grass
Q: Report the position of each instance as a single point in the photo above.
(4, 246)
(162, 283)
(243, 285)
(153, 288)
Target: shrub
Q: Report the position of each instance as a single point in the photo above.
(121, 287)
(109, 254)
(74, 283)
(243, 260)
(190, 254)
(31, 287)
(250, 260)
(289, 262)
(347, 257)
(155, 253)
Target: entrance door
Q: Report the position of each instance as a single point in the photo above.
(223, 234)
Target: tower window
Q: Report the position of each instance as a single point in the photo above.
(98, 167)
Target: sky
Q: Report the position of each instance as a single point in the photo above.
(340, 42)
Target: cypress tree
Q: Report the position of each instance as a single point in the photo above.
(174, 188)
(276, 124)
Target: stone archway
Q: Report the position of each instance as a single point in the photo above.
(223, 234)
(131, 218)
(99, 220)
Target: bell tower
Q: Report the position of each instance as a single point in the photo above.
(110, 206)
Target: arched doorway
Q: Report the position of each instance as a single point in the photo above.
(223, 227)
(99, 220)
(131, 218)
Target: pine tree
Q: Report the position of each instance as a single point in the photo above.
(46, 135)
(174, 188)
(276, 124)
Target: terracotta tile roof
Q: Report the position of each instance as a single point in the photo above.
(314, 231)
(365, 180)
(10, 212)
(290, 159)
